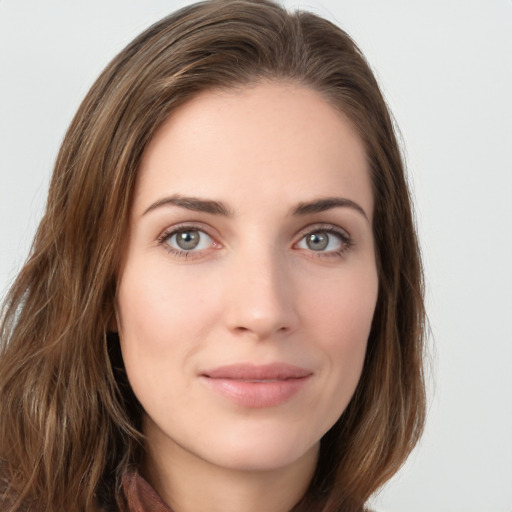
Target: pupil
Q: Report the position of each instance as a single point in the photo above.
(318, 241)
(187, 239)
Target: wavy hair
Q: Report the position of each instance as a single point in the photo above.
(70, 425)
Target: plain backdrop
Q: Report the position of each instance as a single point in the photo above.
(445, 67)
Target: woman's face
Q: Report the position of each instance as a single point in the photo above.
(249, 280)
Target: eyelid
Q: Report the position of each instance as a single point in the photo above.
(346, 239)
(329, 228)
(170, 231)
(183, 226)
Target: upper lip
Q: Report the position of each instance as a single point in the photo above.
(273, 371)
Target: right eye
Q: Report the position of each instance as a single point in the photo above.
(186, 240)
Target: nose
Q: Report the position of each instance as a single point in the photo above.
(260, 297)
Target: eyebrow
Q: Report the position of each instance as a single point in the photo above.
(191, 203)
(327, 203)
(217, 208)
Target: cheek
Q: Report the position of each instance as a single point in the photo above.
(156, 304)
(164, 318)
(343, 341)
(343, 307)
(340, 318)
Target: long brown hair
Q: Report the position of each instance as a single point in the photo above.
(69, 424)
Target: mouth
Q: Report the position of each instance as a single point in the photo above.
(257, 386)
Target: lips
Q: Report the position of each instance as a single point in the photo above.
(257, 386)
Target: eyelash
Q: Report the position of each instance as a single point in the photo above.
(346, 241)
(181, 228)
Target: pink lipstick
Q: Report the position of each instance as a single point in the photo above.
(257, 386)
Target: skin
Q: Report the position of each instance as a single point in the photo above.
(253, 291)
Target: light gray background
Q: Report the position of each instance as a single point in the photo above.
(446, 69)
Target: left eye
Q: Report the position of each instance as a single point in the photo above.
(319, 241)
(189, 240)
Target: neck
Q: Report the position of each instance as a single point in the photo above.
(188, 483)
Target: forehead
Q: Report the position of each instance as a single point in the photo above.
(280, 141)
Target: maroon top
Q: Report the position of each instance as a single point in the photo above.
(141, 497)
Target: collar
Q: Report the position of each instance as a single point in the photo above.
(140, 496)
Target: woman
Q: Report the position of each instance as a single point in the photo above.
(222, 309)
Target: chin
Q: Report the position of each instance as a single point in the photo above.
(260, 451)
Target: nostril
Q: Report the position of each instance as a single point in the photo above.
(261, 330)
(241, 329)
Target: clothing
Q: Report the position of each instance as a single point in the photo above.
(140, 496)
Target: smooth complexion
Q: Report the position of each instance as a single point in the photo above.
(246, 294)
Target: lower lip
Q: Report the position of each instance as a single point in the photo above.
(257, 395)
